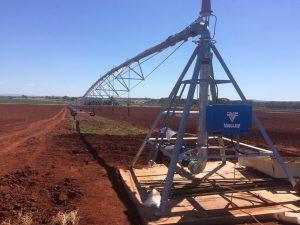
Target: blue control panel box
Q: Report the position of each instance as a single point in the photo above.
(229, 119)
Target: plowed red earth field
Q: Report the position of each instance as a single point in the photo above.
(283, 126)
(47, 167)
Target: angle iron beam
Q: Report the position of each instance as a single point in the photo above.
(141, 70)
(127, 78)
(115, 90)
(120, 79)
(135, 72)
(103, 90)
(111, 86)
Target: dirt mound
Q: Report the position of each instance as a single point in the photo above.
(27, 192)
(13, 194)
(64, 192)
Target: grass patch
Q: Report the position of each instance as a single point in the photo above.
(21, 219)
(101, 126)
(66, 218)
(86, 129)
(62, 218)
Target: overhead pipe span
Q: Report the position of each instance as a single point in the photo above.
(192, 30)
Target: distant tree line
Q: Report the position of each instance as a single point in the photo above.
(258, 104)
(181, 102)
(270, 104)
(65, 98)
(100, 101)
(163, 101)
(278, 105)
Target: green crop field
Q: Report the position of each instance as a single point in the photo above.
(32, 101)
(104, 126)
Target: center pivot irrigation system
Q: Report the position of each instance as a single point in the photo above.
(215, 122)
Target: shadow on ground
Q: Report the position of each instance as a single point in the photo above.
(114, 178)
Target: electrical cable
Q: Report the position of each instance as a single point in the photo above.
(217, 93)
(215, 25)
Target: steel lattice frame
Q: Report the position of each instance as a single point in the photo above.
(119, 80)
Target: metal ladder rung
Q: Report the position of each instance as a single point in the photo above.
(208, 80)
(222, 81)
(198, 81)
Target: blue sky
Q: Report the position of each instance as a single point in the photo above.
(60, 47)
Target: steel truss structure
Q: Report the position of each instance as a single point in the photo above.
(122, 78)
(204, 83)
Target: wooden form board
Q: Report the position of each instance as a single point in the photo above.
(217, 208)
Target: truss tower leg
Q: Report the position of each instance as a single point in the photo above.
(204, 48)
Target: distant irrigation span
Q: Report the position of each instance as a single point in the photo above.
(119, 81)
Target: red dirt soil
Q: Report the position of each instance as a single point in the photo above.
(47, 167)
(283, 126)
(16, 116)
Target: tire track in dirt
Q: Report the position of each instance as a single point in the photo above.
(34, 130)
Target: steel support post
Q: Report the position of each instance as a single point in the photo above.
(203, 48)
(256, 120)
(205, 72)
(203, 101)
(214, 97)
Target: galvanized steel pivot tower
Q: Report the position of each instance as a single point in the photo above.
(192, 89)
(202, 77)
